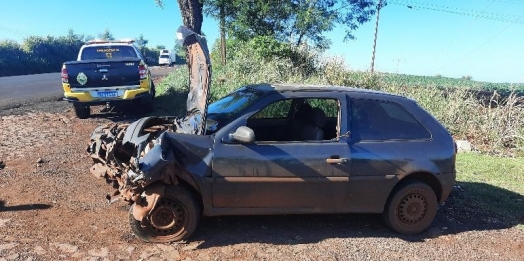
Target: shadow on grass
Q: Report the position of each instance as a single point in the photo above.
(471, 207)
(480, 206)
(4, 208)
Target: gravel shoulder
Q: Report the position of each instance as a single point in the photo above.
(52, 208)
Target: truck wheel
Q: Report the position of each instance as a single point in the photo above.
(82, 111)
(174, 218)
(148, 104)
(411, 208)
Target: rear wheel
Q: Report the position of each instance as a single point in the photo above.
(174, 218)
(82, 111)
(411, 208)
(148, 104)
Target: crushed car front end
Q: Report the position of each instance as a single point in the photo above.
(145, 162)
(122, 154)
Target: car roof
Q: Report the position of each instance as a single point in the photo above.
(291, 87)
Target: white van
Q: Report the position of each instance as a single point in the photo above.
(167, 57)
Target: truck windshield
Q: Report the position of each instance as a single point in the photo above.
(108, 52)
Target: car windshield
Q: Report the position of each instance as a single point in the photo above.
(164, 56)
(231, 106)
(108, 52)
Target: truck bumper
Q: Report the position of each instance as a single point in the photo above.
(136, 99)
(124, 94)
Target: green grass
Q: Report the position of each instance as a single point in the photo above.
(492, 185)
(171, 94)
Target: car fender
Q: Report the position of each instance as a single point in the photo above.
(148, 200)
(417, 166)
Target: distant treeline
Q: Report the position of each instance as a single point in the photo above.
(44, 54)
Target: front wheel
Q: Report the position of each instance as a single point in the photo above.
(411, 208)
(175, 217)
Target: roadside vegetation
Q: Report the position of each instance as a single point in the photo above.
(45, 54)
(493, 123)
(489, 180)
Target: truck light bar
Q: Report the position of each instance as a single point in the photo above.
(97, 41)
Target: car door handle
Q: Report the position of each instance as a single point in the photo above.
(337, 161)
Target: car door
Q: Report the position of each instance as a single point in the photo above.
(282, 176)
(385, 140)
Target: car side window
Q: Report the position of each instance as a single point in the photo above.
(383, 120)
(275, 110)
(299, 119)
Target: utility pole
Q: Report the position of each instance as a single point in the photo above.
(222, 34)
(379, 6)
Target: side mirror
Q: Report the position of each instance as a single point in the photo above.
(243, 135)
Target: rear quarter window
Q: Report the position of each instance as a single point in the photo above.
(383, 120)
(108, 52)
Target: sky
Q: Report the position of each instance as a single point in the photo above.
(483, 39)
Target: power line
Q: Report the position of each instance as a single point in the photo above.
(493, 16)
(481, 45)
(467, 27)
(5, 29)
(506, 1)
(13, 31)
(455, 9)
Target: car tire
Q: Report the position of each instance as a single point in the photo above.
(174, 218)
(411, 208)
(82, 111)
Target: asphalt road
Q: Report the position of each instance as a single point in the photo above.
(18, 90)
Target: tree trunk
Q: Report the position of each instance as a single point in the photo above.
(192, 17)
(199, 65)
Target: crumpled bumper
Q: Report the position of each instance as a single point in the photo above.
(132, 156)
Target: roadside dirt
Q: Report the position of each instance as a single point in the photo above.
(52, 208)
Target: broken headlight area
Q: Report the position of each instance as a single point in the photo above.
(131, 157)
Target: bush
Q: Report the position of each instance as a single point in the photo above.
(263, 50)
(39, 54)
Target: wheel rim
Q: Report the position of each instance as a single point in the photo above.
(412, 208)
(168, 217)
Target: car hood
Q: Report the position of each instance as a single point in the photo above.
(199, 64)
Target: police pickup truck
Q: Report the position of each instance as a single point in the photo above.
(107, 72)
